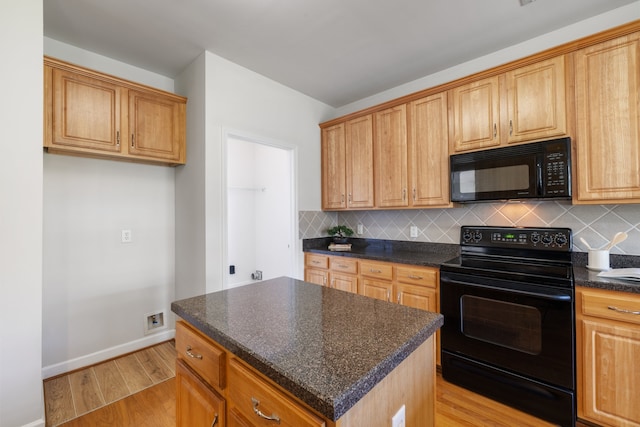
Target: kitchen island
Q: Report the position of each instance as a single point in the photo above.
(346, 359)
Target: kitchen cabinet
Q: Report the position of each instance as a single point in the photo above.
(525, 104)
(197, 404)
(390, 154)
(536, 101)
(203, 397)
(87, 113)
(347, 165)
(316, 269)
(335, 272)
(608, 352)
(608, 121)
(429, 151)
(476, 115)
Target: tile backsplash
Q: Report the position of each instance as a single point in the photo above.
(595, 223)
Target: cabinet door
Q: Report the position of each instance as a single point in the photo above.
(390, 154)
(476, 115)
(610, 373)
(84, 112)
(334, 184)
(156, 127)
(196, 403)
(359, 159)
(417, 297)
(608, 121)
(377, 289)
(319, 277)
(536, 101)
(344, 282)
(429, 151)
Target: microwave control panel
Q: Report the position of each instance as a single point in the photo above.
(556, 170)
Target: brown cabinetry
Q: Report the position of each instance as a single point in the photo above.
(608, 348)
(197, 404)
(525, 104)
(390, 154)
(608, 121)
(347, 165)
(91, 114)
(429, 151)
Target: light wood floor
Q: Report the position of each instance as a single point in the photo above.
(455, 406)
(80, 392)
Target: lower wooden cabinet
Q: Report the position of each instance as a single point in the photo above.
(197, 404)
(608, 349)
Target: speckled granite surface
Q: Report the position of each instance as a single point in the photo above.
(434, 254)
(413, 253)
(327, 347)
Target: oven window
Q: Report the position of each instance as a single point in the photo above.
(514, 326)
(499, 178)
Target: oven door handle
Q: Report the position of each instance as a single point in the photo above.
(548, 296)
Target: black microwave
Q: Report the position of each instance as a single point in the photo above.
(537, 170)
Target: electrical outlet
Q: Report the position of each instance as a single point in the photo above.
(399, 419)
(125, 236)
(360, 229)
(413, 231)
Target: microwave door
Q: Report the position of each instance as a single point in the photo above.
(510, 178)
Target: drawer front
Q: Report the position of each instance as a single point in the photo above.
(316, 261)
(197, 404)
(418, 276)
(378, 270)
(207, 359)
(344, 265)
(624, 307)
(256, 400)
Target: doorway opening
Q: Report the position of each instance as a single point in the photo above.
(260, 212)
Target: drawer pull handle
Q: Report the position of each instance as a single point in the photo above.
(416, 277)
(215, 421)
(192, 354)
(622, 310)
(259, 413)
(343, 266)
(372, 270)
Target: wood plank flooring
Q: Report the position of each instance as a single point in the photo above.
(80, 392)
(155, 405)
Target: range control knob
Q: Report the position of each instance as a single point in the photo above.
(561, 239)
(547, 239)
(467, 236)
(535, 237)
(477, 236)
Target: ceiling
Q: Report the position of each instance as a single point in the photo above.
(336, 51)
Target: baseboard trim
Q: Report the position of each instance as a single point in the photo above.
(106, 354)
(36, 423)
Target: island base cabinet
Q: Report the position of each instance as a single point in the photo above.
(196, 403)
(255, 402)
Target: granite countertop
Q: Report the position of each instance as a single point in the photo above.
(327, 347)
(434, 254)
(413, 253)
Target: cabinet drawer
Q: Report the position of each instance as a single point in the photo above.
(378, 270)
(207, 359)
(344, 265)
(624, 307)
(251, 396)
(418, 276)
(316, 261)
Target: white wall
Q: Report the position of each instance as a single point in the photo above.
(567, 34)
(239, 99)
(97, 290)
(21, 401)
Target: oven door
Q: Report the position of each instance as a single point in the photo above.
(520, 327)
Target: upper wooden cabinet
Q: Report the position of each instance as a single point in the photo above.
(525, 104)
(347, 165)
(608, 121)
(92, 114)
(390, 154)
(476, 115)
(429, 152)
(536, 101)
